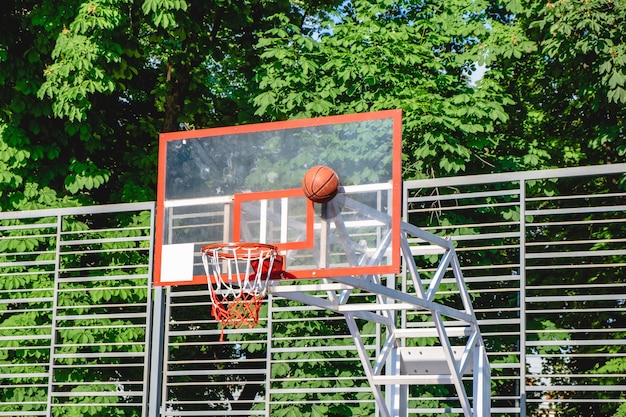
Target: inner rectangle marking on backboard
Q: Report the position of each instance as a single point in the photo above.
(262, 200)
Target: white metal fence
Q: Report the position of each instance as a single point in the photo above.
(75, 311)
(542, 253)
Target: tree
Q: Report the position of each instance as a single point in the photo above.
(567, 79)
(88, 85)
(374, 55)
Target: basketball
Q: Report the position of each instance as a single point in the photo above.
(320, 184)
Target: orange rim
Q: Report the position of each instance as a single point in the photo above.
(240, 249)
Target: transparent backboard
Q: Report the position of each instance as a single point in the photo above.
(243, 184)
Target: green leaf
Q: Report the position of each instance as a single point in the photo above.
(319, 410)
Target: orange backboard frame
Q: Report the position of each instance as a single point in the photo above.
(163, 204)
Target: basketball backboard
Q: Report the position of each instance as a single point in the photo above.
(243, 184)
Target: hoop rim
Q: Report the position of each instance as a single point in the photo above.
(244, 246)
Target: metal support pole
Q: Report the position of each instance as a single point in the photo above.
(402, 364)
(367, 367)
(157, 350)
(482, 383)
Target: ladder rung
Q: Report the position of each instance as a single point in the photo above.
(412, 379)
(456, 331)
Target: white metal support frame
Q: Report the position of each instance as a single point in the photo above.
(460, 349)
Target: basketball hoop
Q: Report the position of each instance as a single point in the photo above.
(238, 275)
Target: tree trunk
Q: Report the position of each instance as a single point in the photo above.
(178, 81)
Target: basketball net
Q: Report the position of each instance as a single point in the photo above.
(238, 276)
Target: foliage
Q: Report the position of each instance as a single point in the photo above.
(87, 85)
(590, 37)
(567, 83)
(374, 55)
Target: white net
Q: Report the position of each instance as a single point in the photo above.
(238, 276)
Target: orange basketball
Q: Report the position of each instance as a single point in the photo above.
(320, 184)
